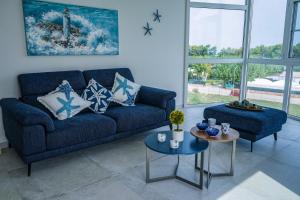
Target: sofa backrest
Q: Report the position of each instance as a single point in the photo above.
(33, 85)
(106, 77)
(37, 84)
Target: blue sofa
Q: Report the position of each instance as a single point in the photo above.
(36, 135)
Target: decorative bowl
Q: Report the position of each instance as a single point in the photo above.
(202, 126)
(212, 131)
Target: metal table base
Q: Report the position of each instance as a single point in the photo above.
(174, 176)
(211, 174)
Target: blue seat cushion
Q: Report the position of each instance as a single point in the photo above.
(134, 117)
(265, 122)
(79, 129)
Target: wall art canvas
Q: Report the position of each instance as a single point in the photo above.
(61, 29)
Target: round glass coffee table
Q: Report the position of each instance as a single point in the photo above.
(189, 146)
(232, 136)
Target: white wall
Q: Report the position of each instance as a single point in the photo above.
(155, 61)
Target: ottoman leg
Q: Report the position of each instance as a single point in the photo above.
(29, 169)
(171, 127)
(275, 136)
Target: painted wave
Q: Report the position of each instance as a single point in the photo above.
(88, 40)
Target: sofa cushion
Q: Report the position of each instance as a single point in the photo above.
(98, 95)
(124, 91)
(63, 102)
(43, 83)
(33, 85)
(141, 115)
(79, 129)
(106, 77)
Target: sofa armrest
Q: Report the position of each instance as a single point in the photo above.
(26, 115)
(156, 97)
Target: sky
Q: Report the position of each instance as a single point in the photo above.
(224, 28)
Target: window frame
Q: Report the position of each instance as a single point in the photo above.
(293, 28)
(286, 59)
(190, 60)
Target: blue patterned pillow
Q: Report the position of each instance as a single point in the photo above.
(124, 91)
(63, 102)
(98, 95)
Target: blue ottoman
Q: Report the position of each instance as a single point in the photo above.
(252, 126)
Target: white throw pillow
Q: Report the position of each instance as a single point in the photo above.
(63, 102)
(124, 91)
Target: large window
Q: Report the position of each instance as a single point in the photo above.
(213, 83)
(267, 28)
(294, 108)
(266, 84)
(216, 33)
(295, 51)
(241, 49)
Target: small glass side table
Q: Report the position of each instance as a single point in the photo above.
(232, 136)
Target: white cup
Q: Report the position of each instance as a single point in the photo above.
(174, 144)
(225, 128)
(161, 137)
(212, 122)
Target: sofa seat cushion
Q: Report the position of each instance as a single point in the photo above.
(79, 129)
(134, 117)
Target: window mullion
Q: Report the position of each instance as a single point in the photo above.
(246, 49)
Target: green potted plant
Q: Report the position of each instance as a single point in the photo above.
(177, 118)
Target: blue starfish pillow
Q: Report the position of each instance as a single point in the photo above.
(63, 102)
(124, 91)
(98, 95)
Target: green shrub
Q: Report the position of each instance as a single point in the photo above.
(177, 118)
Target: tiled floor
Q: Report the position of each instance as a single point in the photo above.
(116, 171)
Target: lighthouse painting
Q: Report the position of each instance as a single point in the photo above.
(61, 29)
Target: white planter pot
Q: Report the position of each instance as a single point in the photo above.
(178, 135)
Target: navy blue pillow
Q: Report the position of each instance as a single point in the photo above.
(98, 95)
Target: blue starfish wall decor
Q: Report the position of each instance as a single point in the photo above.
(157, 16)
(123, 85)
(66, 106)
(148, 29)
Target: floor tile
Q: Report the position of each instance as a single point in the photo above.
(56, 176)
(116, 170)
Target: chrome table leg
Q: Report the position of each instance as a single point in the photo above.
(151, 180)
(208, 171)
(209, 175)
(232, 157)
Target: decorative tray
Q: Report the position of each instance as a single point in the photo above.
(245, 105)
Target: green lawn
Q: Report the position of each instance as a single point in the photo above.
(200, 98)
